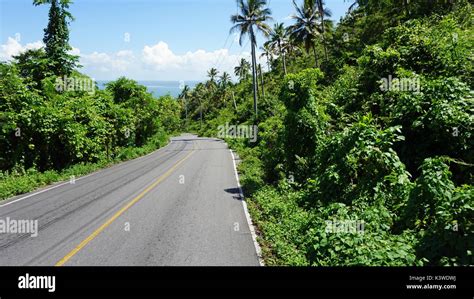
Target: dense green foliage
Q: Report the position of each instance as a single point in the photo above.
(381, 133)
(56, 37)
(55, 122)
(82, 126)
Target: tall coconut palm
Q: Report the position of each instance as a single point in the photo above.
(292, 47)
(278, 40)
(184, 95)
(212, 74)
(224, 83)
(305, 29)
(200, 92)
(322, 13)
(243, 69)
(252, 19)
(267, 53)
(224, 80)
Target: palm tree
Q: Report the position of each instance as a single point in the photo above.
(305, 30)
(323, 12)
(212, 74)
(251, 20)
(278, 39)
(183, 96)
(242, 70)
(291, 47)
(358, 3)
(267, 53)
(199, 93)
(184, 92)
(224, 80)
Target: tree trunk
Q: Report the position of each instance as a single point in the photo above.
(257, 82)
(254, 79)
(283, 57)
(321, 12)
(261, 80)
(233, 100)
(200, 112)
(186, 110)
(325, 48)
(315, 56)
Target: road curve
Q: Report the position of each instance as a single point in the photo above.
(178, 206)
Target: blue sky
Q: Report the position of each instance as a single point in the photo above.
(142, 39)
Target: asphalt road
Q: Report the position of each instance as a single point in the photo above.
(179, 206)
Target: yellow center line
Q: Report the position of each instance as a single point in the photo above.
(122, 210)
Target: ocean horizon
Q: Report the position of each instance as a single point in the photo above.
(157, 88)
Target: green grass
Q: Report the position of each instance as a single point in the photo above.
(16, 183)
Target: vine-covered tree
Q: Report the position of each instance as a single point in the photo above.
(56, 37)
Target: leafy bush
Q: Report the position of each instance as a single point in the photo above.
(366, 154)
(353, 163)
(20, 181)
(442, 215)
(305, 121)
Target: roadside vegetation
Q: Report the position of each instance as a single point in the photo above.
(369, 121)
(364, 153)
(55, 123)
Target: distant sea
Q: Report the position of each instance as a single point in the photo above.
(158, 88)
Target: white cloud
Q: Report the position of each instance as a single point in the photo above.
(154, 62)
(192, 65)
(13, 48)
(110, 66)
(160, 56)
(159, 62)
(125, 53)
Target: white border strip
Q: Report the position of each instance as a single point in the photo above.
(247, 215)
(77, 179)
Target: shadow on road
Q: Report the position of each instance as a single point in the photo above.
(235, 193)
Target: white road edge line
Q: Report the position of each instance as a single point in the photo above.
(247, 215)
(76, 179)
